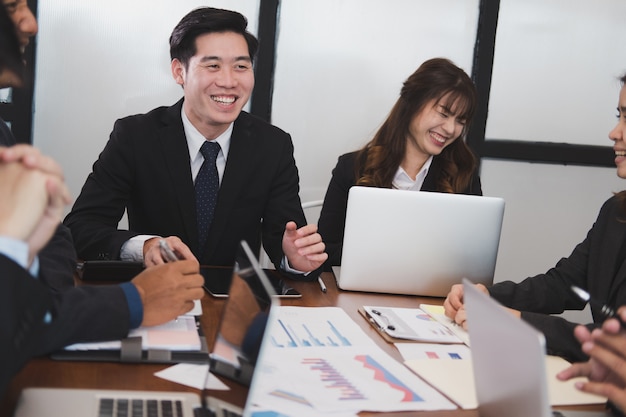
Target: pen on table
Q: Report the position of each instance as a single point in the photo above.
(608, 311)
(322, 285)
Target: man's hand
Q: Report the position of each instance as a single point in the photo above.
(168, 290)
(152, 251)
(30, 157)
(606, 367)
(303, 247)
(31, 204)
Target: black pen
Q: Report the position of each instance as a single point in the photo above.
(608, 311)
(322, 285)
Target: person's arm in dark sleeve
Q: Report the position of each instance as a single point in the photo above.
(331, 224)
(57, 261)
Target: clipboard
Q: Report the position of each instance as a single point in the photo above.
(132, 351)
(388, 338)
(398, 325)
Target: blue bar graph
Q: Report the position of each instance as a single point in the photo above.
(300, 334)
(344, 341)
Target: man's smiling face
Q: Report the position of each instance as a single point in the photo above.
(217, 82)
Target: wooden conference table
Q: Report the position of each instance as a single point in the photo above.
(44, 372)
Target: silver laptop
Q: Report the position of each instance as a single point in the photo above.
(508, 357)
(421, 243)
(248, 282)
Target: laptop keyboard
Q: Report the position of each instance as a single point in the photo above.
(221, 412)
(122, 407)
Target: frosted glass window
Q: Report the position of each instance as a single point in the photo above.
(555, 70)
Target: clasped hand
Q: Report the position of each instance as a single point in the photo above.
(606, 367)
(32, 196)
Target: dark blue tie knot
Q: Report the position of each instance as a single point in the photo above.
(210, 150)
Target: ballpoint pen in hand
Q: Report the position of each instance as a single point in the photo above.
(322, 285)
(608, 311)
(166, 252)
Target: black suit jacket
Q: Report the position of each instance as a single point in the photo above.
(23, 306)
(596, 265)
(332, 218)
(79, 314)
(145, 169)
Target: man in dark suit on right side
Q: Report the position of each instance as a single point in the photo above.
(155, 167)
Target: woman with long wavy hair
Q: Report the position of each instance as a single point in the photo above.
(419, 147)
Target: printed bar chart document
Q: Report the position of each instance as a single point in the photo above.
(321, 359)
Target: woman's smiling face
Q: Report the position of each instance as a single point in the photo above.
(435, 127)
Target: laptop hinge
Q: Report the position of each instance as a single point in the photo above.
(131, 350)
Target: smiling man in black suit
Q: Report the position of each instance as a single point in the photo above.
(151, 162)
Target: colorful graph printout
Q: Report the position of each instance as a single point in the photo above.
(321, 359)
(316, 327)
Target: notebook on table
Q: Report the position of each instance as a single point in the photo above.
(508, 357)
(420, 243)
(242, 341)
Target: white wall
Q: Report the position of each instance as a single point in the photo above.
(340, 65)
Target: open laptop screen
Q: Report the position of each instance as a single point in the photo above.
(243, 319)
(421, 243)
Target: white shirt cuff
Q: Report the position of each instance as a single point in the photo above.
(132, 249)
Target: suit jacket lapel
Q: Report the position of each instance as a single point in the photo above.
(174, 143)
(429, 182)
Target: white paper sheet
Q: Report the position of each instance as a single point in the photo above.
(319, 356)
(180, 334)
(192, 376)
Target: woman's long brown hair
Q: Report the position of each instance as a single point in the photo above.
(378, 161)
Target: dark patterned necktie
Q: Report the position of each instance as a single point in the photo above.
(207, 185)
